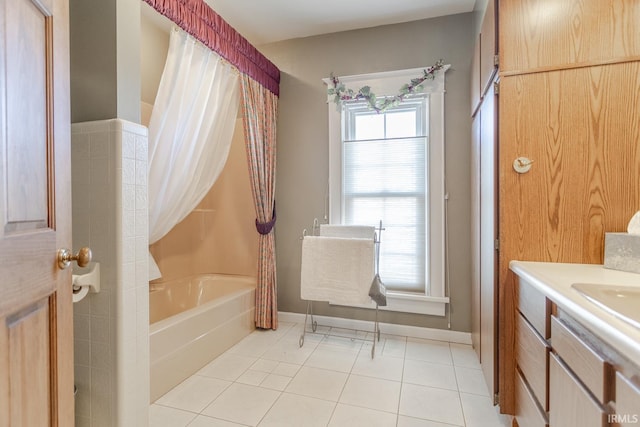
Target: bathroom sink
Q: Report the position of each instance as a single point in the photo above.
(620, 301)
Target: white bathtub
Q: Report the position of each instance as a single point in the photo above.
(192, 321)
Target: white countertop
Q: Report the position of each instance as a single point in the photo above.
(555, 280)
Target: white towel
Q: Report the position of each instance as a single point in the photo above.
(347, 231)
(336, 270)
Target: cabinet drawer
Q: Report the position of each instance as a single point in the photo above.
(627, 403)
(587, 365)
(532, 358)
(534, 306)
(569, 402)
(528, 413)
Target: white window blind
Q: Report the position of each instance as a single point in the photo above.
(385, 176)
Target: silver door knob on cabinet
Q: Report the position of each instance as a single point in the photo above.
(65, 256)
(522, 164)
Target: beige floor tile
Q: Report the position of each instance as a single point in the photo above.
(353, 416)
(243, 404)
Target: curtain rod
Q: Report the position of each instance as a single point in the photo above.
(203, 23)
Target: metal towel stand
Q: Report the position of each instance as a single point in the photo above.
(314, 325)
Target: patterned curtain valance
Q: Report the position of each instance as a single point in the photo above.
(203, 23)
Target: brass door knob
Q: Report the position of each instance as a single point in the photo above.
(83, 257)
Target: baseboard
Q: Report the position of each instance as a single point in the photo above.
(385, 328)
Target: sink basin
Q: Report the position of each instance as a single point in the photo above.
(620, 301)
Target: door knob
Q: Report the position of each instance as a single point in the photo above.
(83, 257)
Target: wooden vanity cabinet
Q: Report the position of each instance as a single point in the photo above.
(562, 380)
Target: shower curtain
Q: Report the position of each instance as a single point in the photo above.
(190, 132)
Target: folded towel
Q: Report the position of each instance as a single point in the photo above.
(336, 270)
(378, 292)
(347, 231)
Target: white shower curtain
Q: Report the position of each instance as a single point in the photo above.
(190, 132)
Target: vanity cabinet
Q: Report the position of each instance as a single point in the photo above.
(565, 375)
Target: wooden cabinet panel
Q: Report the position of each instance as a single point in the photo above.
(580, 128)
(538, 35)
(569, 403)
(534, 306)
(488, 46)
(528, 413)
(532, 354)
(588, 365)
(627, 402)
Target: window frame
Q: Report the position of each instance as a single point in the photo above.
(433, 300)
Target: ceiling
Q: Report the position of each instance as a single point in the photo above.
(267, 21)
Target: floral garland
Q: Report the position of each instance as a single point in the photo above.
(340, 93)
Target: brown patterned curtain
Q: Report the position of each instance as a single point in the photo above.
(260, 108)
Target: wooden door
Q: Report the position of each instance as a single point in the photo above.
(488, 236)
(36, 314)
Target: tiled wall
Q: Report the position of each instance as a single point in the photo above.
(111, 336)
(219, 236)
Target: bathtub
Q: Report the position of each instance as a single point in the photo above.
(192, 321)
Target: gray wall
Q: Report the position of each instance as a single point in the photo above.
(105, 59)
(478, 13)
(302, 151)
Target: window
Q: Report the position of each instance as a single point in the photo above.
(384, 178)
(389, 166)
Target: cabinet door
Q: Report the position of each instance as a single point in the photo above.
(570, 404)
(580, 128)
(627, 402)
(543, 35)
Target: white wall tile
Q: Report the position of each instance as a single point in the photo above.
(128, 171)
(128, 146)
(100, 329)
(129, 200)
(99, 145)
(142, 224)
(141, 172)
(141, 198)
(82, 352)
(141, 148)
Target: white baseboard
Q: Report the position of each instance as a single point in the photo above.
(385, 328)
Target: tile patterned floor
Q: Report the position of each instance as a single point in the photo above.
(268, 380)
